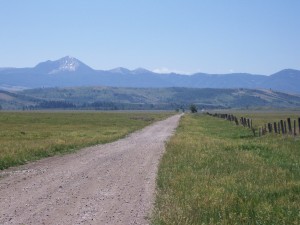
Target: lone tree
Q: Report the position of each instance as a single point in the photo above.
(193, 108)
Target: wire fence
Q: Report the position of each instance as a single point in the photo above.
(284, 127)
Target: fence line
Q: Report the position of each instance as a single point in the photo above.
(284, 127)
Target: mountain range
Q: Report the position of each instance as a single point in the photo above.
(71, 72)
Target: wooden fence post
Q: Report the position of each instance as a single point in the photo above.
(259, 131)
(295, 131)
(265, 128)
(275, 127)
(236, 121)
(270, 127)
(253, 130)
(285, 130)
(289, 125)
(281, 126)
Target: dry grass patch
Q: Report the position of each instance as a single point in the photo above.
(26, 136)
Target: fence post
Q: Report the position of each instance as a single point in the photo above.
(299, 124)
(270, 127)
(295, 131)
(285, 130)
(275, 127)
(259, 132)
(236, 121)
(281, 126)
(289, 125)
(265, 128)
(253, 130)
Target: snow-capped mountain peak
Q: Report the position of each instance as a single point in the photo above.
(67, 63)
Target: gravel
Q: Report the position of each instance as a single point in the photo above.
(104, 184)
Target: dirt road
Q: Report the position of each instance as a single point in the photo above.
(105, 184)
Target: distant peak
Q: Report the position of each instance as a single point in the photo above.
(290, 71)
(64, 64)
(67, 63)
(141, 70)
(287, 72)
(68, 58)
(121, 70)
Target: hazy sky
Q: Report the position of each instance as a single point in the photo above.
(213, 36)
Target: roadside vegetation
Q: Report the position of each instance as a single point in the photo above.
(214, 172)
(27, 136)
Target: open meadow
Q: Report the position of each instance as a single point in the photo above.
(214, 172)
(27, 136)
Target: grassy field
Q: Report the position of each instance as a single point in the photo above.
(27, 136)
(214, 172)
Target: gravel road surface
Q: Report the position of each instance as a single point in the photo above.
(104, 184)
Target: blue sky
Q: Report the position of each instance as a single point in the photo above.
(213, 36)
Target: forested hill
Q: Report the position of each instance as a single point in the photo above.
(108, 98)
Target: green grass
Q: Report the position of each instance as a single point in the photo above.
(214, 172)
(27, 136)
